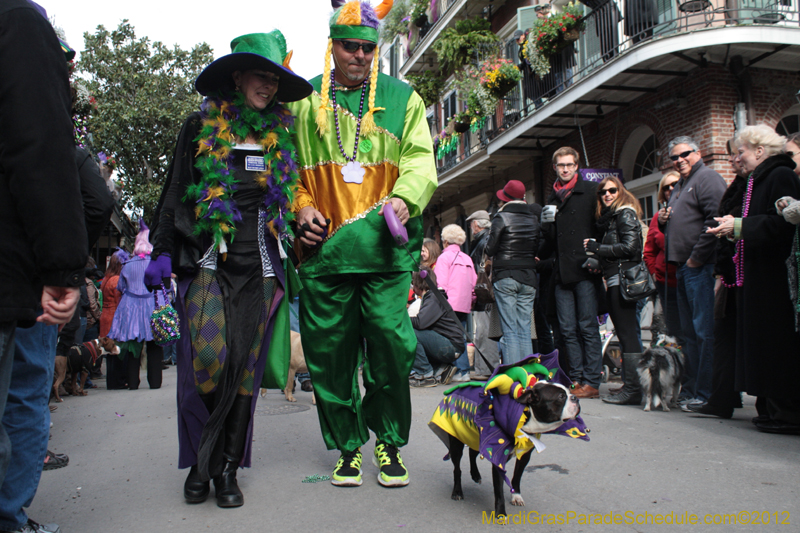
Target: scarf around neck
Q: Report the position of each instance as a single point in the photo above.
(564, 190)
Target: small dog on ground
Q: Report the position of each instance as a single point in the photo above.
(296, 364)
(80, 359)
(660, 372)
(503, 419)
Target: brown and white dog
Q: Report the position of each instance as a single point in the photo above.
(296, 364)
(79, 360)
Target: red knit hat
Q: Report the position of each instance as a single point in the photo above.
(514, 190)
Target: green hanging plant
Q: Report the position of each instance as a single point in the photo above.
(428, 85)
(396, 22)
(457, 46)
(418, 15)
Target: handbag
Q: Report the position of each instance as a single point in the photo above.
(164, 321)
(636, 282)
(484, 293)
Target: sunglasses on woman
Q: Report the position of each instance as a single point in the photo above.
(610, 190)
(682, 155)
(352, 46)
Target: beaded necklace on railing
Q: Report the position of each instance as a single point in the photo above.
(738, 258)
(352, 172)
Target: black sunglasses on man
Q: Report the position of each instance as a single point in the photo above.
(352, 46)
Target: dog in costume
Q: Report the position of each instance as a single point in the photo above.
(504, 419)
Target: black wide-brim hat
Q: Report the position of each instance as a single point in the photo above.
(255, 51)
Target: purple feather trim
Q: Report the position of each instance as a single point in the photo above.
(368, 16)
(336, 4)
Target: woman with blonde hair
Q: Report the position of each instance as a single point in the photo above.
(456, 276)
(767, 341)
(655, 257)
(620, 248)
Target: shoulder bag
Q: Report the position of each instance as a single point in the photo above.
(484, 293)
(636, 282)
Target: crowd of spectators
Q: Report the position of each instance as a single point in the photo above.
(722, 258)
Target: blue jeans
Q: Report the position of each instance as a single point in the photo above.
(462, 362)
(6, 360)
(576, 307)
(431, 348)
(27, 420)
(696, 309)
(672, 313)
(515, 306)
(171, 353)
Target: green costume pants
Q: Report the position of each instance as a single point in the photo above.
(336, 313)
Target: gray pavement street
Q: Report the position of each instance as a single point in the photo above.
(123, 473)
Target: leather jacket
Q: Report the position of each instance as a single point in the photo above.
(514, 238)
(622, 241)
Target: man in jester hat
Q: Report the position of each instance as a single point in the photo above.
(363, 141)
(222, 222)
(489, 419)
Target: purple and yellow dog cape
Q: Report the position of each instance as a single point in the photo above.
(488, 418)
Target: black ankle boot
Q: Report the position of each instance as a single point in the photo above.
(631, 393)
(226, 488)
(236, 424)
(194, 490)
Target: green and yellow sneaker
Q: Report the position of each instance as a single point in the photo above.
(348, 470)
(393, 471)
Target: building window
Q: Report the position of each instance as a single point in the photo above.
(448, 107)
(647, 207)
(648, 159)
(788, 124)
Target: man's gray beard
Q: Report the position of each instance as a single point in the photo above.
(353, 77)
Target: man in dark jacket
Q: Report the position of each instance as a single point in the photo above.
(485, 348)
(44, 246)
(440, 339)
(692, 207)
(513, 240)
(574, 202)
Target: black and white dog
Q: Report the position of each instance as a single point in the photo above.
(660, 372)
(546, 407)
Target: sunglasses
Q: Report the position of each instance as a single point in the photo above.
(791, 154)
(352, 46)
(610, 190)
(682, 155)
(670, 186)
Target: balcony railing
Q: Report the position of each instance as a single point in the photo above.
(601, 42)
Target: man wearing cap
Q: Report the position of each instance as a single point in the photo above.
(513, 240)
(363, 145)
(574, 202)
(479, 223)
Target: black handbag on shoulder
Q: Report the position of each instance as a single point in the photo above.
(484, 292)
(636, 282)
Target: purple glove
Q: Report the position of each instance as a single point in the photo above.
(158, 270)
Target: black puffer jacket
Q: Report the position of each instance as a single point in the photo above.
(514, 238)
(622, 240)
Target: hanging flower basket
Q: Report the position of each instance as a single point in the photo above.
(571, 35)
(504, 87)
(461, 127)
(499, 76)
